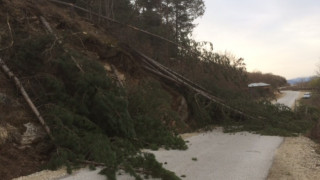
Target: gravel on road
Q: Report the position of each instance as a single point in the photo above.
(296, 159)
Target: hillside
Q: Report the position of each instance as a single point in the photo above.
(299, 80)
(106, 91)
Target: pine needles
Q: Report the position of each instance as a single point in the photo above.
(91, 118)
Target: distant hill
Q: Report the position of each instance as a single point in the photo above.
(298, 80)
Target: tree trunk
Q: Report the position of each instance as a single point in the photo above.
(25, 96)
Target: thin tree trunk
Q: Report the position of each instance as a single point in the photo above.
(100, 11)
(116, 73)
(112, 9)
(25, 96)
(114, 21)
(167, 74)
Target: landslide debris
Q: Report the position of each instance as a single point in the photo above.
(92, 119)
(101, 107)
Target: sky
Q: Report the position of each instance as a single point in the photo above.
(273, 36)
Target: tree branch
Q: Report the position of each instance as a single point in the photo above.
(10, 30)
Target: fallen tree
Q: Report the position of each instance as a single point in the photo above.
(165, 73)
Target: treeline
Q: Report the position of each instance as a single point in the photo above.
(173, 20)
(269, 78)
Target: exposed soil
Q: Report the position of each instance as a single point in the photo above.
(15, 159)
(296, 159)
(16, 162)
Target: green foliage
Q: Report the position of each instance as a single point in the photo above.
(266, 118)
(150, 107)
(270, 119)
(203, 111)
(90, 117)
(147, 161)
(315, 82)
(30, 54)
(89, 94)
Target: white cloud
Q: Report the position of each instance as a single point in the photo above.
(282, 37)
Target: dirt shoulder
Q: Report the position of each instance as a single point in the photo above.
(296, 159)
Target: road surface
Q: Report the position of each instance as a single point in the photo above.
(215, 155)
(289, 98)
(241, 156)
(211, 155)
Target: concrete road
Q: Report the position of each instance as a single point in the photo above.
(213, 155)
(216, 155)
(289, 98)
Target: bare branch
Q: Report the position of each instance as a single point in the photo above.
(10, 30)
(26, 96)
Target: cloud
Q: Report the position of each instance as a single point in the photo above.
(305, 29)
(282, 37)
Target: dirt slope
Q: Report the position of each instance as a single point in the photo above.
(16, 159)
(22, 18)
